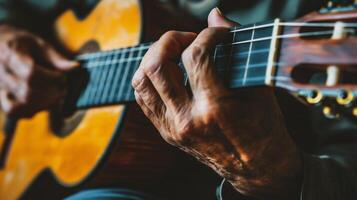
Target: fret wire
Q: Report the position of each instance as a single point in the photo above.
(348, 25)
(124, 77)
(100, 83)
(240, 54)
(118, 76)
(251, 28)
(104, 79)
(84, 96)
(84, 56)
(93, 87)
(217, 46)
(248, 58)
(108, 83)
(99, 54)
(98, 60)
(130, 92)
(262, 78)
(109, 52)
(119, 61)
(230, 54)
(100, 64)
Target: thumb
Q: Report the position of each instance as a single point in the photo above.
(216, 19)
(59, 61)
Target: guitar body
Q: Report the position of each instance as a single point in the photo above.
(129, 149)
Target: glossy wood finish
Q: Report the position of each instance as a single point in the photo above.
(319, 51)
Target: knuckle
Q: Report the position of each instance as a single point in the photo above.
(141, 85)
(207, 111)
(184, 133)
(153, 67)
(29, 72)
(170, 35)
(168, 43)
(195, 54)
(136, 79)
(10, 110)
(168, 139)
(25, 94)
(207, 31)
(139, 100)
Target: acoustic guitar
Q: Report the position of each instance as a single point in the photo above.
(72, 150)
(285, 55)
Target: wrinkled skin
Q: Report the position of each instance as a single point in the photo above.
(31, 73)
(239, 134)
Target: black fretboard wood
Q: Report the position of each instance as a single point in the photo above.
(241, 61)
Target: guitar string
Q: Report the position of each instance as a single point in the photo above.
(320, 33)
(328, 25)
(234, 68)
(302, 24)
(249, 82)
(240, 54)
(141, 47)
(347, 25)
(317, 33)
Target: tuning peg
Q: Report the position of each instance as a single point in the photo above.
(335, 3)
(330, 113)
(345, 98)
(314, 97)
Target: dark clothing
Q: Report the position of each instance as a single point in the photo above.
(110, 194)
(330, 167)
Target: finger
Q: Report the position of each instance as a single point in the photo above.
(142, 105)
(146, 110)
(160, 66)
(8, 81)
(58, 60)
(144, 88)
(49, 77)
(216, 19)
(8, 104)
(198, 63)
(20, 65)
(29, 72)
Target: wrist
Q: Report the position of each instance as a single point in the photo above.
(272, 180)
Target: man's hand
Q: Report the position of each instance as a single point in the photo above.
(31, 73)
(241, 135)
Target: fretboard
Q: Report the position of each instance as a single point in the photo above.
(245, 59)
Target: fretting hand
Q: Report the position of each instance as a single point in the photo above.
(31, 73)
(241, 135)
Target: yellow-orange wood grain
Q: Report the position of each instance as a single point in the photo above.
(112, 24)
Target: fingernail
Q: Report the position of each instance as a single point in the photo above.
(218, 11)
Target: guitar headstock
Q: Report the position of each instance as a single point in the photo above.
(318, 60)
(339, 6)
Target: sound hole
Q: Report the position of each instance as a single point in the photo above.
(61, 126)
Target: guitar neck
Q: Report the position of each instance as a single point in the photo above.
(247, 58)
